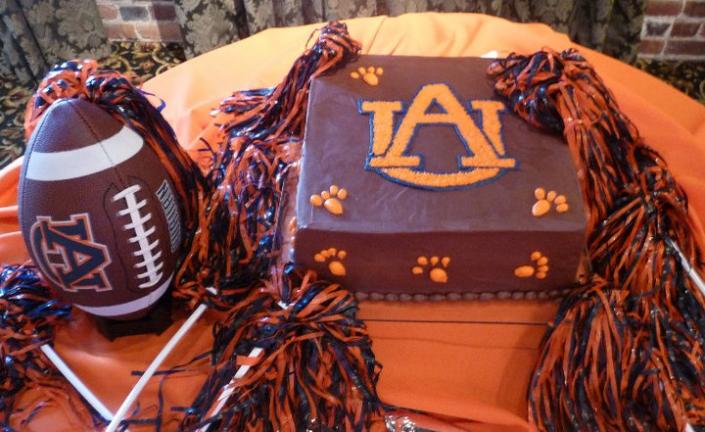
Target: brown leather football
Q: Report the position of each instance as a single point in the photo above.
(98, 212)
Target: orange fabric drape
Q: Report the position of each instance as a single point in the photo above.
(467, 376)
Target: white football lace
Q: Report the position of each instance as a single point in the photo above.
(151, 262)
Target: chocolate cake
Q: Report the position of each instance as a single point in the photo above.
(416, 180)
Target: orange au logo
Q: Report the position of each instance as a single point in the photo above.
(389, 155)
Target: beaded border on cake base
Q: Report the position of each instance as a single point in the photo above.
(551, 295)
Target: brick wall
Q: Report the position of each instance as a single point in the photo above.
(148, 20)
(674, 29)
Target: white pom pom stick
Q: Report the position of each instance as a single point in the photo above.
(76, 382)
(229, 388)
(158, 360)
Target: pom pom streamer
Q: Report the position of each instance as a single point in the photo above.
(291, 355)
(315, 369)
(259, 139)
(626, 351)
(115, 94)
(28, 315)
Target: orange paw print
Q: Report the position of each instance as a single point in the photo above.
(545, 200)
(334, 258)
(538, 268)
(370, 75)
(438, 271)
(331, 200)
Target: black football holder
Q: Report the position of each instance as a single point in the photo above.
(155, 322)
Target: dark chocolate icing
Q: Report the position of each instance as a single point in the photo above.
(487, 229)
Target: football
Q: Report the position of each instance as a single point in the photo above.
(98, 212)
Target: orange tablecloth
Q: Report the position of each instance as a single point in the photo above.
(469, 376)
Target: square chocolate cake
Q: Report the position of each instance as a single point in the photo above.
(416, 180)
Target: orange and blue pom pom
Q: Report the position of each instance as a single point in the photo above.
(627, 350)
(29, 314)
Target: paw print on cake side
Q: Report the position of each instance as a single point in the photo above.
(538, 268)
(438, 266)
(334, 258)
(370, 75)
(544, 201)
(331, 200)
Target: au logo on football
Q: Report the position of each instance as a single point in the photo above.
(68, 254)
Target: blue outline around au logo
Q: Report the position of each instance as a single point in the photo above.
(436, 104)
(68, 254)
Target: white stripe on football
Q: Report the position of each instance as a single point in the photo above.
(71, 164)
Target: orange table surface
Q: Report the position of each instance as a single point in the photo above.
(466, 363)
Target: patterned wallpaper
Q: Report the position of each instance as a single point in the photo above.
(672, 29)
